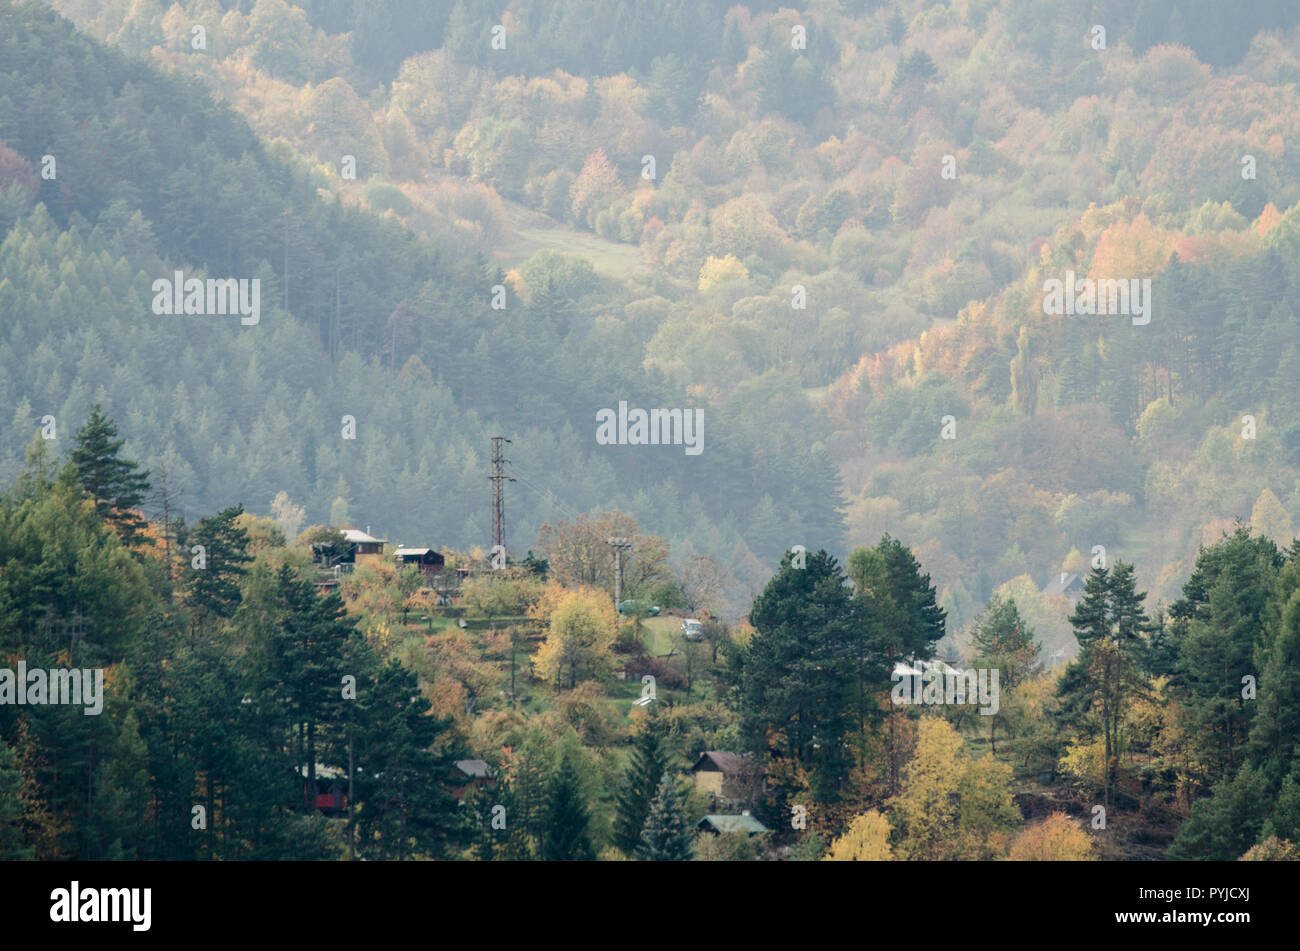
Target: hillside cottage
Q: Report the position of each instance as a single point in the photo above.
(427, 560)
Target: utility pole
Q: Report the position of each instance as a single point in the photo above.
(619, 545)
(497, 477)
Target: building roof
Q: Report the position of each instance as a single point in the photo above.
(725, 761)
(361, 538)
(741, 823)
(412, 552)
(474, 768)
(1062, 583)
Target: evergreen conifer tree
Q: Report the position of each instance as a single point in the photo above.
(117, 485)
(646, 766)
(213, 589)
(567, 834)
(666, 836)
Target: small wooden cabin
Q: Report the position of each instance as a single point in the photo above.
(467, 773)
(363, 545)
(722, 774)
(429, 561)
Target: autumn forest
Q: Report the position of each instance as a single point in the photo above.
(600, 430)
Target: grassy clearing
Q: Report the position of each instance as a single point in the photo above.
(532, 231)
(657, 634)
(607, 257)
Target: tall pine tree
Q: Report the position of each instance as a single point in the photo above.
(1003, 640)
(795, 687)
(667, 835)
(117, 485)
(1110, 626)
(646, 766)
(216, 570)
(567, 836)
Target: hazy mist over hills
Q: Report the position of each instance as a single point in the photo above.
(962, 303)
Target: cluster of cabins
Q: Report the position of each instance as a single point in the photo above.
(363, 548)
(332, 785)
(730, 780)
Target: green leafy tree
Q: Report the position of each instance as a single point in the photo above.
(302, 641)
(913, 72)
(523, 791)
(1002, 639)
(403, 808)
(1275, 734)
(1284, 820)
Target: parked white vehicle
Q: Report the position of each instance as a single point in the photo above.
(692, 630)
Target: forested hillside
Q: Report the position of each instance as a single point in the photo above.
(367, 321)
(832, 233)
(775, 168)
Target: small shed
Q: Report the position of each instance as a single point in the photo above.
(363, 544)
(719, 824)
(725, 775)
(470, 772)
(427, 560)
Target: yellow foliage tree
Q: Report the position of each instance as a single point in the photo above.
(1270, 519)
(865, 840)
(721, 270)
(1055, 839)
(986, 813)
(1075, 563)
(923, 809)
(1085, 759)
(950, 806)
(1272, 849)
(540, 611)
(579, 639)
